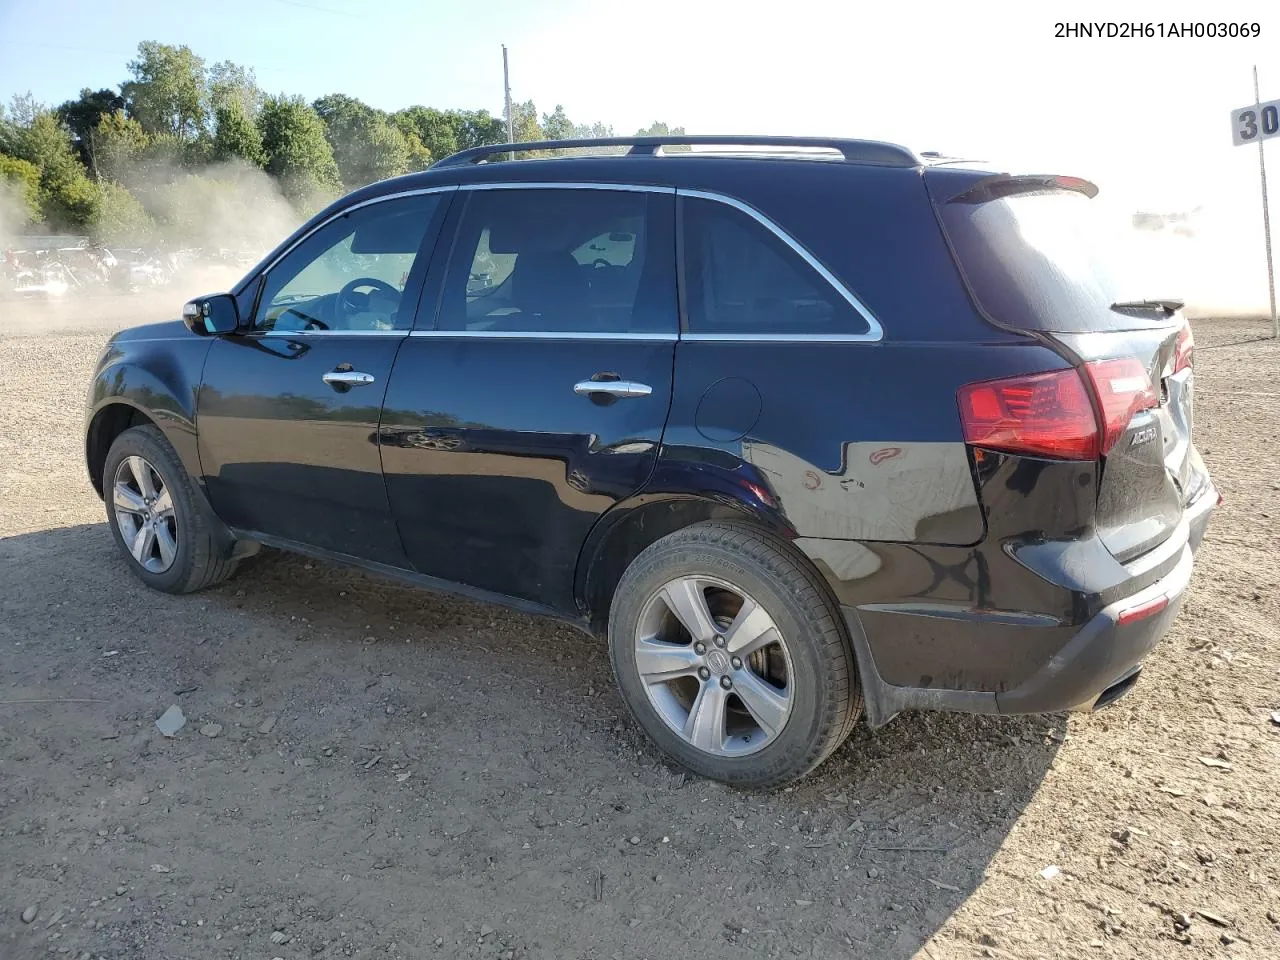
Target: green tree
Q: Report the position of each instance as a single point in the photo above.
(557, 125)
(23, 108)
(229, 82)
(476, 128)
(597, 130)
(660, 129)
(119, 216)
(8, 132)
(436, 130)
(19, 181)
(167, 92)
(160, 161)
(82, 115)
(419, 156)
(524, 122)
(365, 146)
(116, 145)
(297, 151)
(67, 197)
(236, 135)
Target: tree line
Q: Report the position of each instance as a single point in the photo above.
(123, 162)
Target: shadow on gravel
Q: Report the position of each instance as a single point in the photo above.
(393, 770)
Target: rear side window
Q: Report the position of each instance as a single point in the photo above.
(742, 278)
(563, 261)
(1048, 261)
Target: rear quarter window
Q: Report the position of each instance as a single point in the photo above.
(743, 279)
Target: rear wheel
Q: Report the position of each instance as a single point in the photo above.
(731, 656)
(167, 540)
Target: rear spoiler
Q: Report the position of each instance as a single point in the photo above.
(1003, 185)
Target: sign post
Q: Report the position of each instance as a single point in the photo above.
(1258, 123)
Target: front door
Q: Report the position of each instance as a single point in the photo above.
(539, 398)
(288, 408)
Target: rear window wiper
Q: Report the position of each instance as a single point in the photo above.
(1170, 307)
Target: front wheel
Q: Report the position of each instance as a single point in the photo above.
(731, 656)
(154, 516)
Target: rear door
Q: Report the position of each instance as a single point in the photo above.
(538, 398)
(1038, 258)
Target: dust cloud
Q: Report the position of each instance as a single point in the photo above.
(1213, 257)
(201, 232)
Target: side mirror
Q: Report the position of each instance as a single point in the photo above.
(211, 315)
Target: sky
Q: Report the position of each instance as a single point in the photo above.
(1147, 119)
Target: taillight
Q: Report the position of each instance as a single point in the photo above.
(1051, 414)
(1123, 389)
(1041, 414)
(1184, 352)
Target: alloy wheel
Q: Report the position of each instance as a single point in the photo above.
(714, 666)
(145, 515)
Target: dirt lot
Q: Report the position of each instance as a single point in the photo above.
(369, 771)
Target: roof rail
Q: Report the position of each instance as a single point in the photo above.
(853, 151)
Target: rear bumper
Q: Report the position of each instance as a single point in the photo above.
(1105, 652)
(1096, 664)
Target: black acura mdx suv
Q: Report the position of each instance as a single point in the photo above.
(808, 429)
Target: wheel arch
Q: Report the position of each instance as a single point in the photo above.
(110, 420)
(631, 526)
(152, 385)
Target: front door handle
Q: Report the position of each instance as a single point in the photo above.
(347, 378)
(614, 388)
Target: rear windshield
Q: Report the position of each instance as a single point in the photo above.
(1048, 261)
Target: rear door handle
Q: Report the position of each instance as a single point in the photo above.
(614, 388)
(347, 378)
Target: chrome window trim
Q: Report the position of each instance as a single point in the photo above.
(294, 334)
(874, 331)
(448, 188)
(544, 335)
(779, 338)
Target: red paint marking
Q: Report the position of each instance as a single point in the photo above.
(884, 453)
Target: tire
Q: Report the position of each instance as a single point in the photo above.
(811, 666)
(194, 551)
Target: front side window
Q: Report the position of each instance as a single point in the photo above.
(351, 273)
(744, 279)
(562, 261)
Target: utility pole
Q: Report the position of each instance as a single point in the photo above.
(506, 89)
(1266, 215)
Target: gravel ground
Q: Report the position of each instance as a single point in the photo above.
(369, 771)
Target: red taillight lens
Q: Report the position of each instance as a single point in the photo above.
(1184, 353)
(1123, 389)
(1051, 415)
(1042, 414)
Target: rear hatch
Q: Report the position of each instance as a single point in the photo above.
(1038, 258)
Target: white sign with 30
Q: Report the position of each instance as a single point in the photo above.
(1256, 122)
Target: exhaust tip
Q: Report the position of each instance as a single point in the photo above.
(1116, 691)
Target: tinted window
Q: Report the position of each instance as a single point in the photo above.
(743, 279)
(351, 273)
(1047, 261)
(563, 261)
